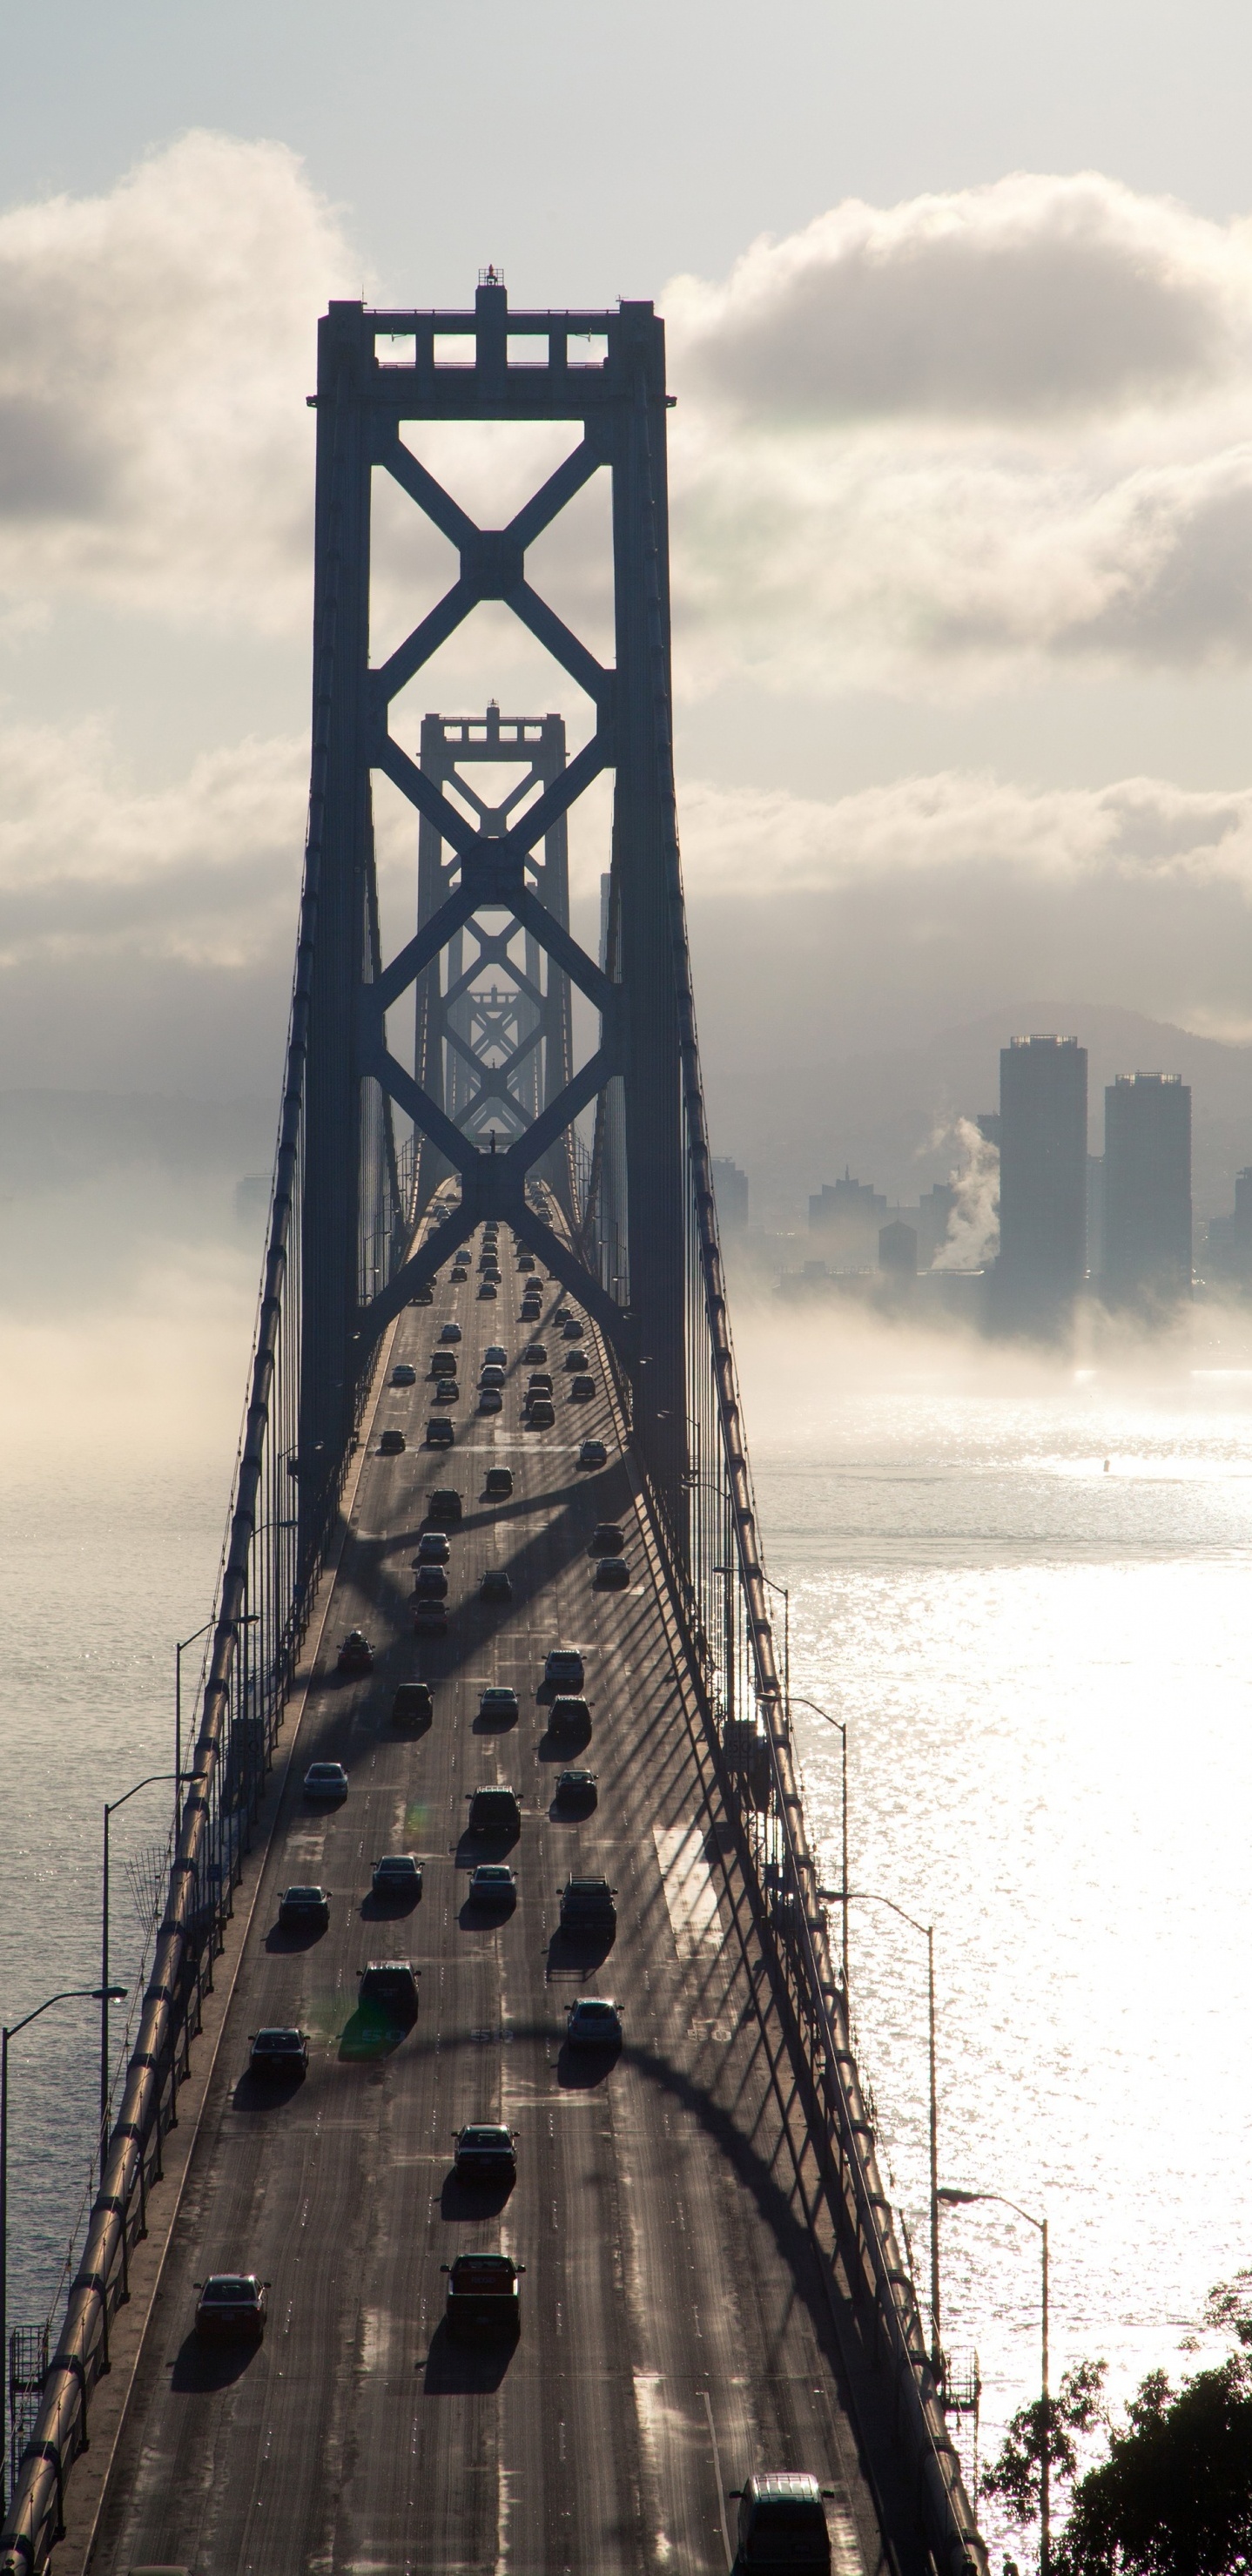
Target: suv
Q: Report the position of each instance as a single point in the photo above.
(439, 1432)
(587, 1905)
(494, 1810)
(499, 1484)
(483, 2295)
(569, 1717)
(412, 1705)
(444, 1506)
(781, 2526)
(485, 2152)
(444, 1363)
(387, 1993)
(539, 1413)
(563, 1670)
(582, 1390)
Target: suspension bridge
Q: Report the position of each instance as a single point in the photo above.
(492, 1144)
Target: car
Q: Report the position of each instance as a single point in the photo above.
(539, 1383)
(576, 1788)
(499, 1484)
(278, 2053)
(562, 1317)
(495, 1355)
(326, 1780)
(432, 1583)
(498, 1702)
(459, 1274)
(449, 1332)
(398, 1877)
(404, 1374)
(447, 1391)
(496, 1584)
(433, 1548)
(430, 1618)
(782, 2526)
(443, 1363)
(485, 2151)
(569, 1717)
(387, 1993)
(526, 1261)
(573, 1361)
(231, 2307)
(540, 1414)
(536, 1351)
(563, 1669)
(300, 1908)
(494, 1810)
(356, 1655)
(440, 1433)
(592, 2022)
(612, 1574)
(444, 1506)
(587, 1905)
(488, 1292)
(490, 1400)
(491, 1374)
(466, 1253)
(492, 1883)
(593, 1454)
(572, 1330)
(607, 1539)
(422, 1297)
(581, 1390)
(483, 2297)
(531, 1309)
(412, 1705)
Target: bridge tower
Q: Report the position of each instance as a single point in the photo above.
(604, 374)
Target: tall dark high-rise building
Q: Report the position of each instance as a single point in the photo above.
(1147, 1188)
(731, 1187)
(1043, 1183)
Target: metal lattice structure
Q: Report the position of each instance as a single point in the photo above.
(362, 1216)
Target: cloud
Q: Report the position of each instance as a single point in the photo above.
(1139, 832)
(937, 444)
(1034, 297)
(156, 346)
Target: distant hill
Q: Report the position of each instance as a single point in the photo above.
(793, 1125)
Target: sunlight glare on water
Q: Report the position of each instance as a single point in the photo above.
(1043, 1663)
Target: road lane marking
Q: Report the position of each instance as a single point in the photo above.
(690, 1894)
(717, 2472)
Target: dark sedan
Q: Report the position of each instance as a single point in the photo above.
(485, 2152)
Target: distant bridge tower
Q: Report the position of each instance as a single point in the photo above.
(477, 1060)
(494, 1055)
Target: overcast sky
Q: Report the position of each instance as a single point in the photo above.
(959, 306)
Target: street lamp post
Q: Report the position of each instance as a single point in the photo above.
(105, 1990)
(867, 1896)
(179, 1652)
(952, 2198)
(66, 1995)
(844, 1892)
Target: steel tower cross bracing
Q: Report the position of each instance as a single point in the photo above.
(620, 404)
(503, 1051)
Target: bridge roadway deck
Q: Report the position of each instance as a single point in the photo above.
(674, 2328)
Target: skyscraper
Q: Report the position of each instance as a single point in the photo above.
(1043, 1183)
(1147, 1189)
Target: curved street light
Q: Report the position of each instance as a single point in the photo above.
(65, 1995)
(951, 2198)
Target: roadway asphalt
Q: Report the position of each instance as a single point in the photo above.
(674, 2331)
